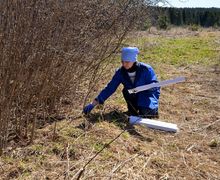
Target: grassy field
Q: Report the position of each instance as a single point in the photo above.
(139, 153)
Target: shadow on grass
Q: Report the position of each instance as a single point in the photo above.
(120, 119)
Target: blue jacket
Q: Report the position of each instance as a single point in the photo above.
(144, 75)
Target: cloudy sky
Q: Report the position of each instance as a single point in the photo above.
(195, 3)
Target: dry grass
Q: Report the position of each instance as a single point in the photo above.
(139, 153)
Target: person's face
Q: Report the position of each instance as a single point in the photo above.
(126, 64)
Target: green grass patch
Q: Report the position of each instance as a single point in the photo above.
(119, 100)
(98, 146)
(56, 148)
(70, 132)
(126, 135)
(177, 51)
(37, 147)
(106, 153)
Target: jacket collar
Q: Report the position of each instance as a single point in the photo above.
(127, 78)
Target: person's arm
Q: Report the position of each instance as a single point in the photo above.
(110, 88)
(105, 93)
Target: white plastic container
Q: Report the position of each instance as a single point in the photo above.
(154, 124)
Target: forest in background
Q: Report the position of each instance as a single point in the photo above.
(204, 17)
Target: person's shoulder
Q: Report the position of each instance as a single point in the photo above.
(118, 71)
(144, 65)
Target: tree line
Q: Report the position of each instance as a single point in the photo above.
(204, 17)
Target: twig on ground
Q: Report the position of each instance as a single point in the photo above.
(78, 174)
(146, 163)
(207, 126)
(122, 164)
(68, 160)
(184, 160)
(191, 147)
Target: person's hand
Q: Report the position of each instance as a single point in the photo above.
(87, 109)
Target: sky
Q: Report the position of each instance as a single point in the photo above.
(195, 3)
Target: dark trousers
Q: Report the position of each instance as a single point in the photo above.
(135, 110)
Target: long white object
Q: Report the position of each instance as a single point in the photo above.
(159, 84)
(164, 126)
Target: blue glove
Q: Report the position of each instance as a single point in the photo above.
(87, 109)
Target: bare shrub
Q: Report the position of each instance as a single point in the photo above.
(48, 48)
